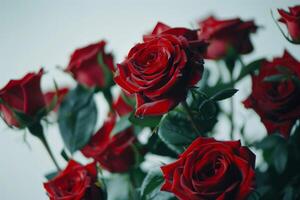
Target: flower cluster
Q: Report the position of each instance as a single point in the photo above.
(165, 106)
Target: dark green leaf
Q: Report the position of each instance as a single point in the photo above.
(254, 196)
(77, 117)
(156, 146)
(148, 121)
(150, 189)
(65, 156)
(270, 142)
(280, 157)
(250, 68)
(210, 91)
(224, 94)
(296, 80)
(288, 193)
(122, 124)
(176, 131)
(208, 109)
(51, 175)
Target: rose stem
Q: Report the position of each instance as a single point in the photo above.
(231, 115)
(108, 97)
(37, 130)
(44, 141)
(191, 118)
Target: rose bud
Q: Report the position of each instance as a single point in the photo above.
(115, 153)
(277, 102)
(49, 96)
(24, 96)
(211, 170)
(91, 66)
(122, 105)
(223, 35)
(160, 70)
(292, 20)
(76, 182)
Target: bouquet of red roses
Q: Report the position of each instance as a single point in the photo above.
(165, 108)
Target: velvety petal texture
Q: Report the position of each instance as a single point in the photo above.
(211, 170)
(114, 153)
(291, 19)
(160, 70)
(86, 68)
(225, 34)
(76, 182)
(277, 102)
(23, 95)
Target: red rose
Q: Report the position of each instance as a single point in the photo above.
(23, 95)
(76, 182)
(277, 103)
(114, 153)
(86, 68)
(292, 21)
(225, 34)
(211, 170)
(122, 106)
(161, 69)
(61, 93)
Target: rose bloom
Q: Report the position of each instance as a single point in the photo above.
(292, 20)
(49, 96)
(121, 106)
(211, 170)
(277, 102)
(23, 95)
(76, 182)
(160, 70)
(223, 35)
(86, 69)
(114, 153)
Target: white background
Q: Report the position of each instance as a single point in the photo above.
(44, 33)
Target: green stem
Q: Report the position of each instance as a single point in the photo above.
(108, 96)
(37, 130)
(231, 115)
(191, 118)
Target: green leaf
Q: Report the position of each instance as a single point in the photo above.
(65, 156)
(210, 91)
(77, 118)
(176, 131)
(148, 121)
(150, 189)
(208, 109)
(280, 157)
(269, 142)
(254, 196)
(250, 68)
(224, 94)
(51, 175)
(156, 146)
(288, 193)
(122, 124)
